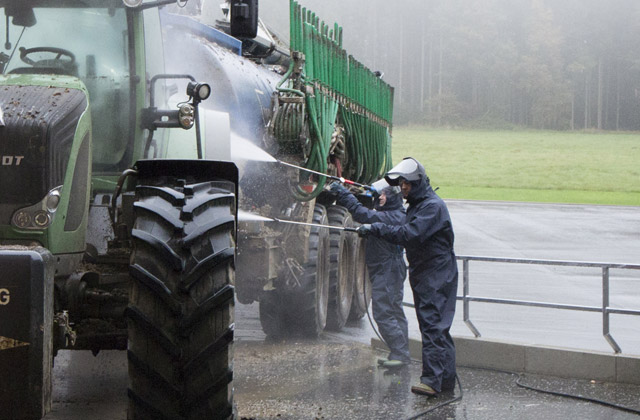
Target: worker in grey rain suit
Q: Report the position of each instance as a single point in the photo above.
(427, 235)
(387, 270)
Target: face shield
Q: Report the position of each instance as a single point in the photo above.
(381, 184)
(409, 169)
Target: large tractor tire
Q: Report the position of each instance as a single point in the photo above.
(362, 283)
(342, 260)
(180, 310)
(307, 305)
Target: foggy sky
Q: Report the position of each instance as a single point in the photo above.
(557, 64)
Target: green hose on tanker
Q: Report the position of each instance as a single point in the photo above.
(336, 86)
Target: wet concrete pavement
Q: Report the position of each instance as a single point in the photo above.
(336, 377)
(328, 380)
(87, 387)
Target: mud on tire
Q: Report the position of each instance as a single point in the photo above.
(180, 312)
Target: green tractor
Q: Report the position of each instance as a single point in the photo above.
(121, 177)
(117, 213)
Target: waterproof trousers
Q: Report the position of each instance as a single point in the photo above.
(435, 309)
(386, 300)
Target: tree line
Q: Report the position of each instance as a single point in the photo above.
(547, 64)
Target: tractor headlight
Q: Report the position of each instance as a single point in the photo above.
(198, 91)
(40, 215)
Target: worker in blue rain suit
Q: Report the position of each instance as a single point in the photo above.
(427, 235)
(387, 270)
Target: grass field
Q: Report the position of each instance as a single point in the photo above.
(533, 166)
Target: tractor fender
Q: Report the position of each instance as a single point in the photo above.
(198, 170)
(190, 170)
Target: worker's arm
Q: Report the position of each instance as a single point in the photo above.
(418, 228)
(360, 213)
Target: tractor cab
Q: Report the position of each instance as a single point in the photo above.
(83, 41)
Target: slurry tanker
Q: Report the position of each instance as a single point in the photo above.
(120, 186)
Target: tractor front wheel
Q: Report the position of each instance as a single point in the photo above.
(180, 312)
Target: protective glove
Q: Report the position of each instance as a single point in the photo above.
(364, 230)
(337, 188)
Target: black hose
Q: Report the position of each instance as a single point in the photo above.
(518, 382)
(577, 397)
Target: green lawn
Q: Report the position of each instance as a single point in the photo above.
(534, 166)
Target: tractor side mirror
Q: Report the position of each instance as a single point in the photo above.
(244, 18)
(22, 16)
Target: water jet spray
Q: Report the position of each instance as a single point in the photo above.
(244, 216)
(343, 228)
(243, 149)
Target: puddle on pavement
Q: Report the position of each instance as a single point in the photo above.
(309, 380)
(318, 380)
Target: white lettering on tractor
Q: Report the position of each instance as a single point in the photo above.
(12, 160)
(4, 297)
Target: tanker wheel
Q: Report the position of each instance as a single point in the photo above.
(180, 312)
(342, 258)
(362, 282)
(307, 305)
(272, 316)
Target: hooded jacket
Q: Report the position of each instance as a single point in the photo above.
(392, 213)
(426, 233)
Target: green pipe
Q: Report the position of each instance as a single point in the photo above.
(339, 79)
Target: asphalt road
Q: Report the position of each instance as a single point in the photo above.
(87, 387)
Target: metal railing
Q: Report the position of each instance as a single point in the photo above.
(605, 309)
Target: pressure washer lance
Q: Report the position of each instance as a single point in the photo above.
(345, 228)
(331, 177)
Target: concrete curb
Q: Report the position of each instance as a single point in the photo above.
(566, 363)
